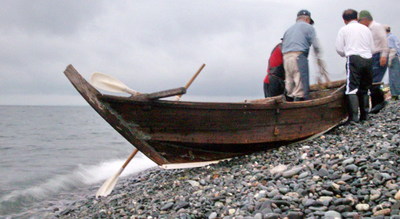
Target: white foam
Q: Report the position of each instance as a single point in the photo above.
(83, 176)
(94, 174)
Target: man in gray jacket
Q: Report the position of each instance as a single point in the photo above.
(296, 44)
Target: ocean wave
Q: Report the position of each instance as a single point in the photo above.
(84, 176)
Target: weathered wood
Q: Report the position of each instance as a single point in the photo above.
(160, 94)
(181, 132)
(128, 131)
(327, 85)
(192, 79)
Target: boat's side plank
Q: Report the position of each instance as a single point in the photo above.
(169, 122)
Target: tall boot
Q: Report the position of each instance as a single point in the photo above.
(353, 105)
(377, 99)
(363, 100)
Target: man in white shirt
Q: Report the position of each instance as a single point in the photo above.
(354, 41)
(379, 59)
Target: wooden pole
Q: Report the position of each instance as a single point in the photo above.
(191, 81)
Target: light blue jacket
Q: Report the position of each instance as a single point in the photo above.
(393, 43)
(299, 37)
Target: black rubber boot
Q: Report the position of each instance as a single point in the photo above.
(363, 100)
(377, 99)
(288, 98)
(353, 105)
(378, 107)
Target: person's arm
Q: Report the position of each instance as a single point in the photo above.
(382, 44)
(312, 37)
(318, 54)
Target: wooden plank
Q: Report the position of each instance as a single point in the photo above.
(159, 94)
(328, 85)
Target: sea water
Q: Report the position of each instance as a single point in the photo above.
(55, 154)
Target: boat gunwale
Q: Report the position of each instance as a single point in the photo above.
(269, 103)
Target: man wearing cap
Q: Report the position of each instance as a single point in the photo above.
(379, 58)
(295, 48)
(394, 64)
(354, 41)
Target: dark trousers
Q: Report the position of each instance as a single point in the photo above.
(359, 80)
(378, 71)
(304, 74)
(359, 75)
(275, 87)
(377, 95)
(394, 76)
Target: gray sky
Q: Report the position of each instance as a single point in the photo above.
(152, 45)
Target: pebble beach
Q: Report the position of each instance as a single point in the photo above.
(352, 171)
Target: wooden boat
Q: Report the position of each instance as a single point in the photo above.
(174, 132)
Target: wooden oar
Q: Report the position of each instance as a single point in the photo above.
(109, 83)
(191, 80)
(109, 184)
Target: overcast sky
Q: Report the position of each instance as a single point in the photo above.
(153, 45)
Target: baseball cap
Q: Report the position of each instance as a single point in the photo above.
(306, 13)
(365, 14)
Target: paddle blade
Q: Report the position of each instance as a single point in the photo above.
(108, 185)
(109, 83)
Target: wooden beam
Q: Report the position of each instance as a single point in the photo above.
(160, 94)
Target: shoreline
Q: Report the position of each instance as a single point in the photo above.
(351, 171)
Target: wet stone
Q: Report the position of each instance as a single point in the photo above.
(332, 215)
(167, 206)
(182, 204)
(351, 168)
(292, 172)
(351, 171)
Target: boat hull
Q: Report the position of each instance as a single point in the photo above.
(171, 132)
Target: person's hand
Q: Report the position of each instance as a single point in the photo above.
(383, 60)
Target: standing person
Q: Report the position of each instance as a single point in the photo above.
(379, 59)
(394, 64)
(297, 41)
(354, 41)
(274, 81)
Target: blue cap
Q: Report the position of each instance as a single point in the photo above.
(306, 13)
